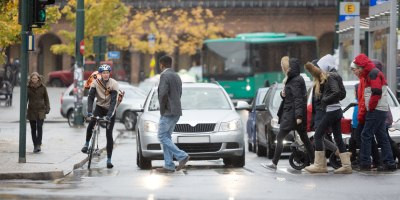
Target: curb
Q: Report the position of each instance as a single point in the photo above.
(33, 175)
(49, 175)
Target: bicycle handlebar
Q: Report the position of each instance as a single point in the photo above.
(99, 119)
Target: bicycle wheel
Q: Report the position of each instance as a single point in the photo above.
(298, 160)
(91, 148)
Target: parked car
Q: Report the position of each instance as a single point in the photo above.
(209, 128)
(350, 98)
(64, 78)
(133, 100)
(251, 121)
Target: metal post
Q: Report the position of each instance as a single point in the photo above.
(78, 71)
(336, 39)
(391, 64)
(356, 43)
(24, 75)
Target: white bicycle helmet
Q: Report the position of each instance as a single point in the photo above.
(104, 67)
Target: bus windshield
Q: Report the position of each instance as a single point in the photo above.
(226, 60)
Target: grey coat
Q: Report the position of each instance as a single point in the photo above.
(169, 93)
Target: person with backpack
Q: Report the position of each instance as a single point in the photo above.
(332, 94)
(105, 89)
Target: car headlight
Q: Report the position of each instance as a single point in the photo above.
(274, 123)
(150, 126)
(230, 126)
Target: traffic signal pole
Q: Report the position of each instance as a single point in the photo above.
(78, 68)
(24, 75)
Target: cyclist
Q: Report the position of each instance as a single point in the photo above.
(105, 89)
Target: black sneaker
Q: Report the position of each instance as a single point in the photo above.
(109, 165)
(365, 167)
(84, 149)
(35, 149)
(39, 148)
(387, 168)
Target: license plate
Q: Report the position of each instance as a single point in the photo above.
(202, 139)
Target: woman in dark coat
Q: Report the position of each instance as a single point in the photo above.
(292, 111)
(38, 107)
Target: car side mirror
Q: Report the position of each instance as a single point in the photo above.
(260, 108)
(242, 105)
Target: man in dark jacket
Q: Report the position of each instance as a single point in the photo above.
(169, 97)
(292, 112)
(331, 96)
(376, 105)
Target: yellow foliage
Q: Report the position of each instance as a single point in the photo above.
(10, 30)
(101, 18)
(182, 29)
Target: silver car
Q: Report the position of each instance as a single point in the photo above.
(133, 100)
(209, 128)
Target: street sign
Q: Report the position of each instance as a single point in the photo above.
(349, 10)
(376, 2)
(113, 55)
(82, 47)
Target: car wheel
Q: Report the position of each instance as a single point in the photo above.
(141, 161)
(270, 150)
(56, 83)
(260, 151)
(129, 120)
(236, 161)
(70, 117)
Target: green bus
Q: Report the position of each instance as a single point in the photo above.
(252, 60)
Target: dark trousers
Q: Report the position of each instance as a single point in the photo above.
(375, 125)
(355, 143)
(279, 145)
(102, 112)
(36, 131)
(330, 120)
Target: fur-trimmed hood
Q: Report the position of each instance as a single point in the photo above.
(314, 70)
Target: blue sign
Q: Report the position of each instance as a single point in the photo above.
(376, 2)
(113, 55)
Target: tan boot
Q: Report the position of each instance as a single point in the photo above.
(319, 165)
(346, 164)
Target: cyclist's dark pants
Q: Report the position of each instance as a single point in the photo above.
(102, 112)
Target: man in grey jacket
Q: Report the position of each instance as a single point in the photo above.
(169, 97)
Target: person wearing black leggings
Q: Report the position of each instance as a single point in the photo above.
(292, 111)
(331, 96)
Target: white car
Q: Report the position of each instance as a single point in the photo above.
(350, 98)
(133, 99)
(208, 129)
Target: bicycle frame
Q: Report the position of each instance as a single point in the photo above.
(95, 139)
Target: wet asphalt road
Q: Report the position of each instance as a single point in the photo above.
(201, 180)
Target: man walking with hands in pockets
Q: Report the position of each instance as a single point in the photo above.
(169, 97)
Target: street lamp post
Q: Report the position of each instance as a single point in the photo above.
(78, 67)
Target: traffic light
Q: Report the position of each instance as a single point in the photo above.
(39, 12)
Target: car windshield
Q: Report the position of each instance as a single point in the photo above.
(276, 101)
(197, 99)
(261, 97)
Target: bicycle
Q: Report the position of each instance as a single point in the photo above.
(94, 141)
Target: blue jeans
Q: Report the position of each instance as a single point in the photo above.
(375, 125)
(165, 128)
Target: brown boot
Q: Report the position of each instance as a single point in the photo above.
(319, 165)
(346, 164)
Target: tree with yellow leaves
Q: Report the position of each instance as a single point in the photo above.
(181, 29)
(101, 18)
(10, 30)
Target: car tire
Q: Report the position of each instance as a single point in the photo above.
(56, 83)
(70, 118)
(261, 150)
(142, 162)
(270, 151)
(236, 161)
(129, 119)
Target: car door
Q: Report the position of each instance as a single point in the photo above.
(261, 118)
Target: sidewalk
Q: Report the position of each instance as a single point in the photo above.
(60, 154)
